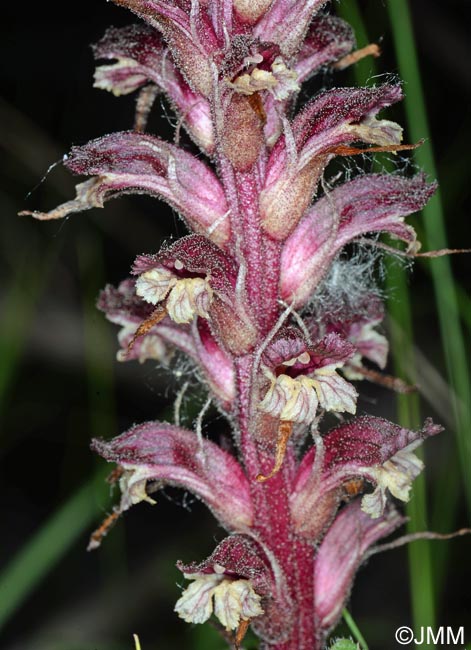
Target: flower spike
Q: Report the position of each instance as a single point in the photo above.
(162, 453)
(263, 301)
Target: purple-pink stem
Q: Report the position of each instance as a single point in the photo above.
(260, 254)
(273, 525)
(271, 498)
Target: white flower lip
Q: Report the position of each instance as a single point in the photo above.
(154, 285)
(395, 475)
(189, 297)
(297, 399)
(280, 81)
(231, 600)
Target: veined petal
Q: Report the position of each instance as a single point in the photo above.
(308, 376)
(371, 203)
(334, 392)
(235, 601)
(291, 400)
(141, 57)
(123, 306)
(189, 298)
(364, 447)
(395, 475)
(196, 603)
(340, 555)
(239, 558)
(137, 51)
(217, 365)
(230, 576)
(286, 23)
(355, 321)
(169, 455)
(154, 285)
(135, 163)
(191, 43)
(329, 38)
(230, 315)
(334, 118)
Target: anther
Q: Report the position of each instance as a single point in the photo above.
(388, 381)
(97, 536)
(285, 429)
(369, 50)
(157, 315)
(342, 150)
(240, 634)
(115, 475)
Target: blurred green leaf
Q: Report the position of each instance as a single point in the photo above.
(49, 544)
(399, 308)
(434, 223)
(18, 310)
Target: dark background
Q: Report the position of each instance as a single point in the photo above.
(60, 383)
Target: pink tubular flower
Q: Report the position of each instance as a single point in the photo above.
(243, 297)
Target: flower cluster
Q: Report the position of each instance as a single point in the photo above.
(238, 296)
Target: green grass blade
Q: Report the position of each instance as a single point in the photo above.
(399, 308)
(48, 546)
(434, 223)
(366, 68)
(52, 541)
(420, 559)
(464, 303)
(354, 629)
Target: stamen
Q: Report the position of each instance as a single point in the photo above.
(285, 430)
(369, 50)
(388, 381)
(157, 315)
(103, 530)
(256, 103)
(342, 150)
(115, 475)
(353, 488)
(240, 634)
